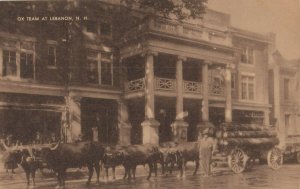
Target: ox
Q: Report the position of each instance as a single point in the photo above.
(181, 154)
(135, 155)
(73, 155)
(113, 157)
(25, 157)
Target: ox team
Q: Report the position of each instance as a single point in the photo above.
(61, 156)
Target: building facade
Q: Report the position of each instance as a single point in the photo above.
(284, 95)
(149, 81)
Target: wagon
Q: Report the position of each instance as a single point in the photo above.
(245, 143)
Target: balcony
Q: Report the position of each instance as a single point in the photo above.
(169, 87)
(164, 85)
(184, 31)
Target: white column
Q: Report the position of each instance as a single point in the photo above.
(179, 127)
(179, 84)
(280, 125)
(205, 90)
(150, 125)
(228, 102)
(123, 124)
(73, 110)
(204, 123)
(149, 86)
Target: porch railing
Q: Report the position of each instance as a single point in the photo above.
(216, 89)
(165, 84)
(192, 87)
(135, 85)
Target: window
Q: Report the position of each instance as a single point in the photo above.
(99, 68)
(51, 56)
(247, 88)
(287, 123)
(17, 58)
(9, 63)
(286, 84)
(105, 29)
(247, 56)
(92, 26)
(106, 69)
(102, 28)
(26, 64)
(92, 72)
(233, 81)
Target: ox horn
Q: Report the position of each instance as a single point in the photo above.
(4, 145)
(55, 147)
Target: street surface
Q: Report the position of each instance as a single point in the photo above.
(261, 177)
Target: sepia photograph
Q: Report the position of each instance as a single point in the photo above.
(149, 94)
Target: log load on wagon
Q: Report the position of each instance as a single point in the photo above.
(243, 143)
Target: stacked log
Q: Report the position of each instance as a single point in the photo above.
(250, 141)
(245, 127)
(247, 135)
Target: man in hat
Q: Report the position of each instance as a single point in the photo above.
(207, 145)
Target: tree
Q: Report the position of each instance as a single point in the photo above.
(180, 8)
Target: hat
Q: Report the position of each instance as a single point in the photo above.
(205, 131)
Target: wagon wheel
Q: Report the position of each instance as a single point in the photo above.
(237, 160)
(298, 157)
(275, 158)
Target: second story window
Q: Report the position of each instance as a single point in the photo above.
(233, 81)
(9, 63)
(100, 28)
(92, 72)
(286, 90)
(247, 56)
(51, 56)
(26, 65)
(91, 26)
(17, 58)
(99, 68)
(106, 69)
(105, 29)
(247, 88)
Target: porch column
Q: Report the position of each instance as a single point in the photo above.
(279, 124)
(72, 119)
(150, 125)
(123, 124)
(205, 94)
(205, 91)
(228, 103)
(179, 127)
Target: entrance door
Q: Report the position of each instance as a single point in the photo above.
(136, 111)
(165, 113)
(101, 115)
(193, 109)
